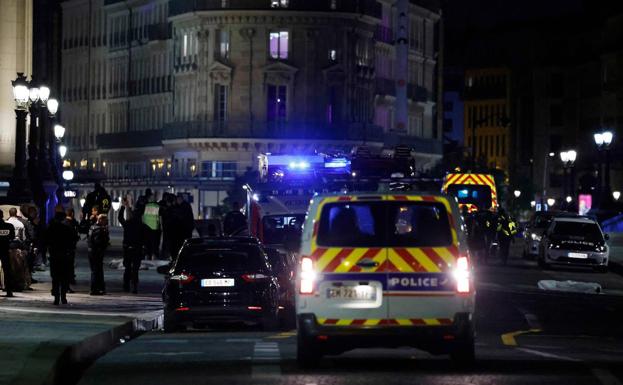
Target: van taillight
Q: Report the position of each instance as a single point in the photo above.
(462, 276)
(308, 276)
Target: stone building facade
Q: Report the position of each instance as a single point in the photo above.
(182, 96)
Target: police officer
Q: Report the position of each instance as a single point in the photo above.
(488, 222)
(152, 221)
(132, 246)
(60, 238)
(7, 234)
(506, 230)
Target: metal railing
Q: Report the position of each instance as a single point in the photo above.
(272, 130)
(365, 7)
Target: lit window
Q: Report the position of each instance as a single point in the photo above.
(333, 4)
(224, 44)
(332, 55)
(279, 45)
(279, 3)
(185, 46)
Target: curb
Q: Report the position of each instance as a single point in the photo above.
(615, 267)
(71, 364)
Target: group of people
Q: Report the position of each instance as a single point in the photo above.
(489, 233)
(151, 229)
(22, 247)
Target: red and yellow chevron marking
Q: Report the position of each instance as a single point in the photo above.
(407, 260)
(386, 322)
(475, 179)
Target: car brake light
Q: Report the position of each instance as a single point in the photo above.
(254, 277)
(308, 276)
(254, 307)
(462, 276)
(183, 278)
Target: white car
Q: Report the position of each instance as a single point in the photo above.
(576, 242)
(386, 270)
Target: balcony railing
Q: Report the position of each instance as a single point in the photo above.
(161, 31)
(272, 130)
(130, 139)
(364, 7)
(385, 86)
(424, 145)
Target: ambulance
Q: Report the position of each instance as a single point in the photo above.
(477, 192)
(384, 270)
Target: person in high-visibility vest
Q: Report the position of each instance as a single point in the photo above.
(152, 222)
(506, 231)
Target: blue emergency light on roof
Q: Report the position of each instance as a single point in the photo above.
(302, 165)
(337, 163)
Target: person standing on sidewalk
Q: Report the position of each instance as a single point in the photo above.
(132, 246)
(98, 242)
(20, 230)
(70, 220)
(152, 221)
(7, 235)
(59, 238)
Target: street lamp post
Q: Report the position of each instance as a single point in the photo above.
(603, 141)
(18, 190)
(545, 171)
(568, 159)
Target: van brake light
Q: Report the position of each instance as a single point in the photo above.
(308, 276)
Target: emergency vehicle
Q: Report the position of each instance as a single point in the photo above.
(474, 191)
(389, 270)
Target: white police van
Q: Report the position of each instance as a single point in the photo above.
(386, 270)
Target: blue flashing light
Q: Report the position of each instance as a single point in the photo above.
(302, 165)
(337, 163)
(463, 193)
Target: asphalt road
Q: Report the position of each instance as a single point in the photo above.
(525, 336)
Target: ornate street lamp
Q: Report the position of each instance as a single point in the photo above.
(616, 195)
(68, 175)
(517, 193)
(551, 202)
(52, 106)
(62, 150)
(59, 131)
(603, 140)
(568, 158)
(18, 190)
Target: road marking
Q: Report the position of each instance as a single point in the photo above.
(266, 360)
(548, 355)
(282, 335)
(508, 339)
(605, 376)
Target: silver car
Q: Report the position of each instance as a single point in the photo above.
(574, 242)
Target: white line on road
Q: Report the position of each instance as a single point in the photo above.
(266, 360)
(548, 355)
(605, 376)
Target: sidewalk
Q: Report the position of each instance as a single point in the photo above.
(47, 344)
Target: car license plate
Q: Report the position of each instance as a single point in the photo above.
(217, 282)
(578, 255)
(355, 293)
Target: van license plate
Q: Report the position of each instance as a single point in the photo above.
(578, 255)
(355, 293)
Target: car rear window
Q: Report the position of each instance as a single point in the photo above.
(578, 230)
(384, 224)
(222, 259)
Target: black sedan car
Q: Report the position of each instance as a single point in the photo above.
(217, 281)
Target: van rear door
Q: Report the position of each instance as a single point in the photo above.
(422, 251)
(350, 261)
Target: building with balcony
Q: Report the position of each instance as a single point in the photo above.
(183, 95)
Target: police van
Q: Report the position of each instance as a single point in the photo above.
(384, 270)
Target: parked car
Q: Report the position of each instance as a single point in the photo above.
(220, 280)
(574, 242)
(533, 233)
